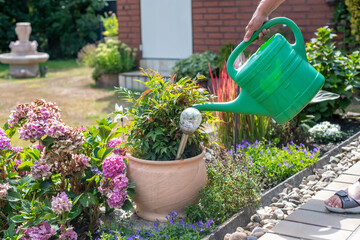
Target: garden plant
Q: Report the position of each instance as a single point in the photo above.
(56, 186)
(111, 57)
(155, 116)
(110, 24)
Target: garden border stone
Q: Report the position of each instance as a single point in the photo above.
(242, 218)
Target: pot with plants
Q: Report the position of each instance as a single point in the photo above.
(164, 184)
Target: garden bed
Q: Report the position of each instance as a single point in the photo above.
(242, 218)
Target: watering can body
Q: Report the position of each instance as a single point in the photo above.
(276, 81)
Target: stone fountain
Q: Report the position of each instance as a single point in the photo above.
(23, 59)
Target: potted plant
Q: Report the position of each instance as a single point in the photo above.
(110, 24)
(162, 183)
(108, 60)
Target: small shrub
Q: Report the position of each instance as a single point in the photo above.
(87, 55)
(111, 57)
(230, 187)
(326, 132)
(196, 64)
(274, 164)
(154, 119)
(341, 73)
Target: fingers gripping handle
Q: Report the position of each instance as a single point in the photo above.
(299, 45)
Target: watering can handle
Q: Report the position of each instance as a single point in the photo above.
(299, 45)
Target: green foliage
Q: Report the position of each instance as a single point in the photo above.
(341, 20)
(274, 164)
(230, 187)
(111, 57)
(110, 24)
(196, 64)
(224, 54)
(353, 7)
(176, 228)
(154, 120)
(60, 27)
(340, 72)
(231, 127)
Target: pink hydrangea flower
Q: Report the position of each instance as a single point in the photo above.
(17, 149)
(20, 112)
(116, 200)
(55, 129)
(61, 203)
(4, 140)
(40, 170)
(4, 187)
(43, 231)
(32, 130)
(70, 234)
(114, 143)
(113, 166)
(115, 190)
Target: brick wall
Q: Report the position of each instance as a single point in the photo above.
(128, 13)
(216, 22)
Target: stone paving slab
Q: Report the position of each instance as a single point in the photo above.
(324, 219)
(312, 221)
(347, 178)
(270, 236)
(307, 231)
(354, 170)
(355, 235)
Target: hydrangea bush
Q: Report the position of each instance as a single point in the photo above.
(326, 132)
(55, 187)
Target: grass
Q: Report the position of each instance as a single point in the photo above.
(67, 84)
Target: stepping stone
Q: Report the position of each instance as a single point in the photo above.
(324, 219)
(271, 236)
(306, 231)
(347, 178)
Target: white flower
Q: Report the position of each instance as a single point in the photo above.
(118, 109)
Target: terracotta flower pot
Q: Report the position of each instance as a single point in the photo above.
(163, 186)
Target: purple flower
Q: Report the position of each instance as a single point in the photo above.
(61, 203)
(112, 166)
(40, 170)
(115, 143)
(4, 140)
(70, 234)
(301, 160)
(208, 224)
(42, 231)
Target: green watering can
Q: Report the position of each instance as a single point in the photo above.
(276, 81)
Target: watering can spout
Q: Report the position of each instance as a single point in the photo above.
(244, 104)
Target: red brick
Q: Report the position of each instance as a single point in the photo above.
(200, 35)
(199, 10)
(228, 16)
(200, 23)
(227, 3)
(230, 10)
(215, 23)
(320, 7)
(227, 29)
(244, 3)
(212, 16)
(216, 35)
(212, 41)
(301, 8)
(214, 10)
(211, 29)
(197, 4)
(198, 16)
(211, 4)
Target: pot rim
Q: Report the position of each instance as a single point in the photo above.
(170, 162)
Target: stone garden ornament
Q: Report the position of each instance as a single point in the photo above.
(23, 59)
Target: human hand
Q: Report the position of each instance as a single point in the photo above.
(255, 23)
